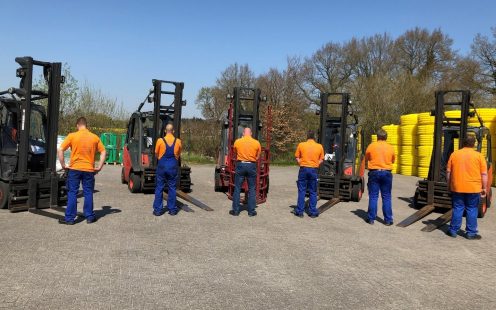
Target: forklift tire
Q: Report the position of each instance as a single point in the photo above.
(217, 185)
(4, 195)
(483, 207)
(356, 192)
(123, 178)
(134, 184)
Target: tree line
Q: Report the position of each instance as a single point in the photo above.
(77, 99)
(386, 76)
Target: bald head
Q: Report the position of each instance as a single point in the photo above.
(169, 129)
(247, 132)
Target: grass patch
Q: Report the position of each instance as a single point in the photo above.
(192, 158)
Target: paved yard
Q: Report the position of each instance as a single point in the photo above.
(210, 260)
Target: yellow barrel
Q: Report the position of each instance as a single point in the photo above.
(425, 119)
(408, 170)
(425, 140)
(410, 150)
(408, 160)
(424, 150)
(409, 140)
(409, 119)
(425, 129)
(424, 161)
(422, 172)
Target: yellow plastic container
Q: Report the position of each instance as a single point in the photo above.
(425, 118)
(424, 162)
(424, 150)
(408, 160)
(409, 119)
(408, 170)
(425, 140)
(422, 172)
(425, 129)
(410, 150)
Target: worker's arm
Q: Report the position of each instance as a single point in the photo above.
(60, 155)
(259, 150)
(103, 156)
(64, 146)
(484, 184)
(298, 154)
(321, 156)
(448, 179)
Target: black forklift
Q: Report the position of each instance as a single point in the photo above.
(433, 193)
(28, 142)
(244, 111)
(144, 127)
(341, 174)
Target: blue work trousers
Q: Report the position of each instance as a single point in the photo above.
(244, 171)
(307, 180)
(464, 202)
(74, 178)
(380, 180)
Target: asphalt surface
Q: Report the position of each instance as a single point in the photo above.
(130, 259)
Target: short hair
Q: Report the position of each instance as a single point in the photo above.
(469, 141)
(311, 134)
(382, 135)
(82, 121)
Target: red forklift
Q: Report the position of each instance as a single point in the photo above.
(341, 174)
(28, 142)
(244, 111)
(433, 193)
(144, 127)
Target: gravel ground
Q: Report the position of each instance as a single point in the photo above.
(210, 260)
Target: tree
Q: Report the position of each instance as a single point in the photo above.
(483, 50)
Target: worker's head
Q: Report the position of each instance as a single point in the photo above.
(81, 123)
(247, 132)
(169, 129)
(311, 134)
(469, 141)
(381, 135)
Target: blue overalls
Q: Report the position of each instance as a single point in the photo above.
(166, 173)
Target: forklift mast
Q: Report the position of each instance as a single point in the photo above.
(341, 174)
(173, 111)
(447, 127)
(434, 192)
(244, 111)
(33, 183)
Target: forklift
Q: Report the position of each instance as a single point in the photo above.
(433, 192)
(341, 174)
(144, 128)
(244, 111)
(28, 142)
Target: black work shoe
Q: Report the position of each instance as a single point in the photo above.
(64, 222)
(159, 213)
(369, 222)
(313, 215)
(451, 234)
(388, 223)
(91, 220)
(233, 213)
(474, 237)
(254, 213)
(297, 214)
(172, 213)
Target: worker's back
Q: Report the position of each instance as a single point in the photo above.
(380, 155)
(466, 166)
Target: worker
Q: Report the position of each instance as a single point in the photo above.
(467, 179)
(380, 159)
(167, 151)
(84, 146)
(246, 151)
(309, 156)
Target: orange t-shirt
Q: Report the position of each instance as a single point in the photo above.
(247, 149)
(160, 146)
(310, 153)
(466, 166)
(380, 155)
(84, 146)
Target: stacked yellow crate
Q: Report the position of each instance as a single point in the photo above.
(488, 116)
(408, 137)
(425, 132)
(393, 139)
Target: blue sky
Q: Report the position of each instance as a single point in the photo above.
(119, 46)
